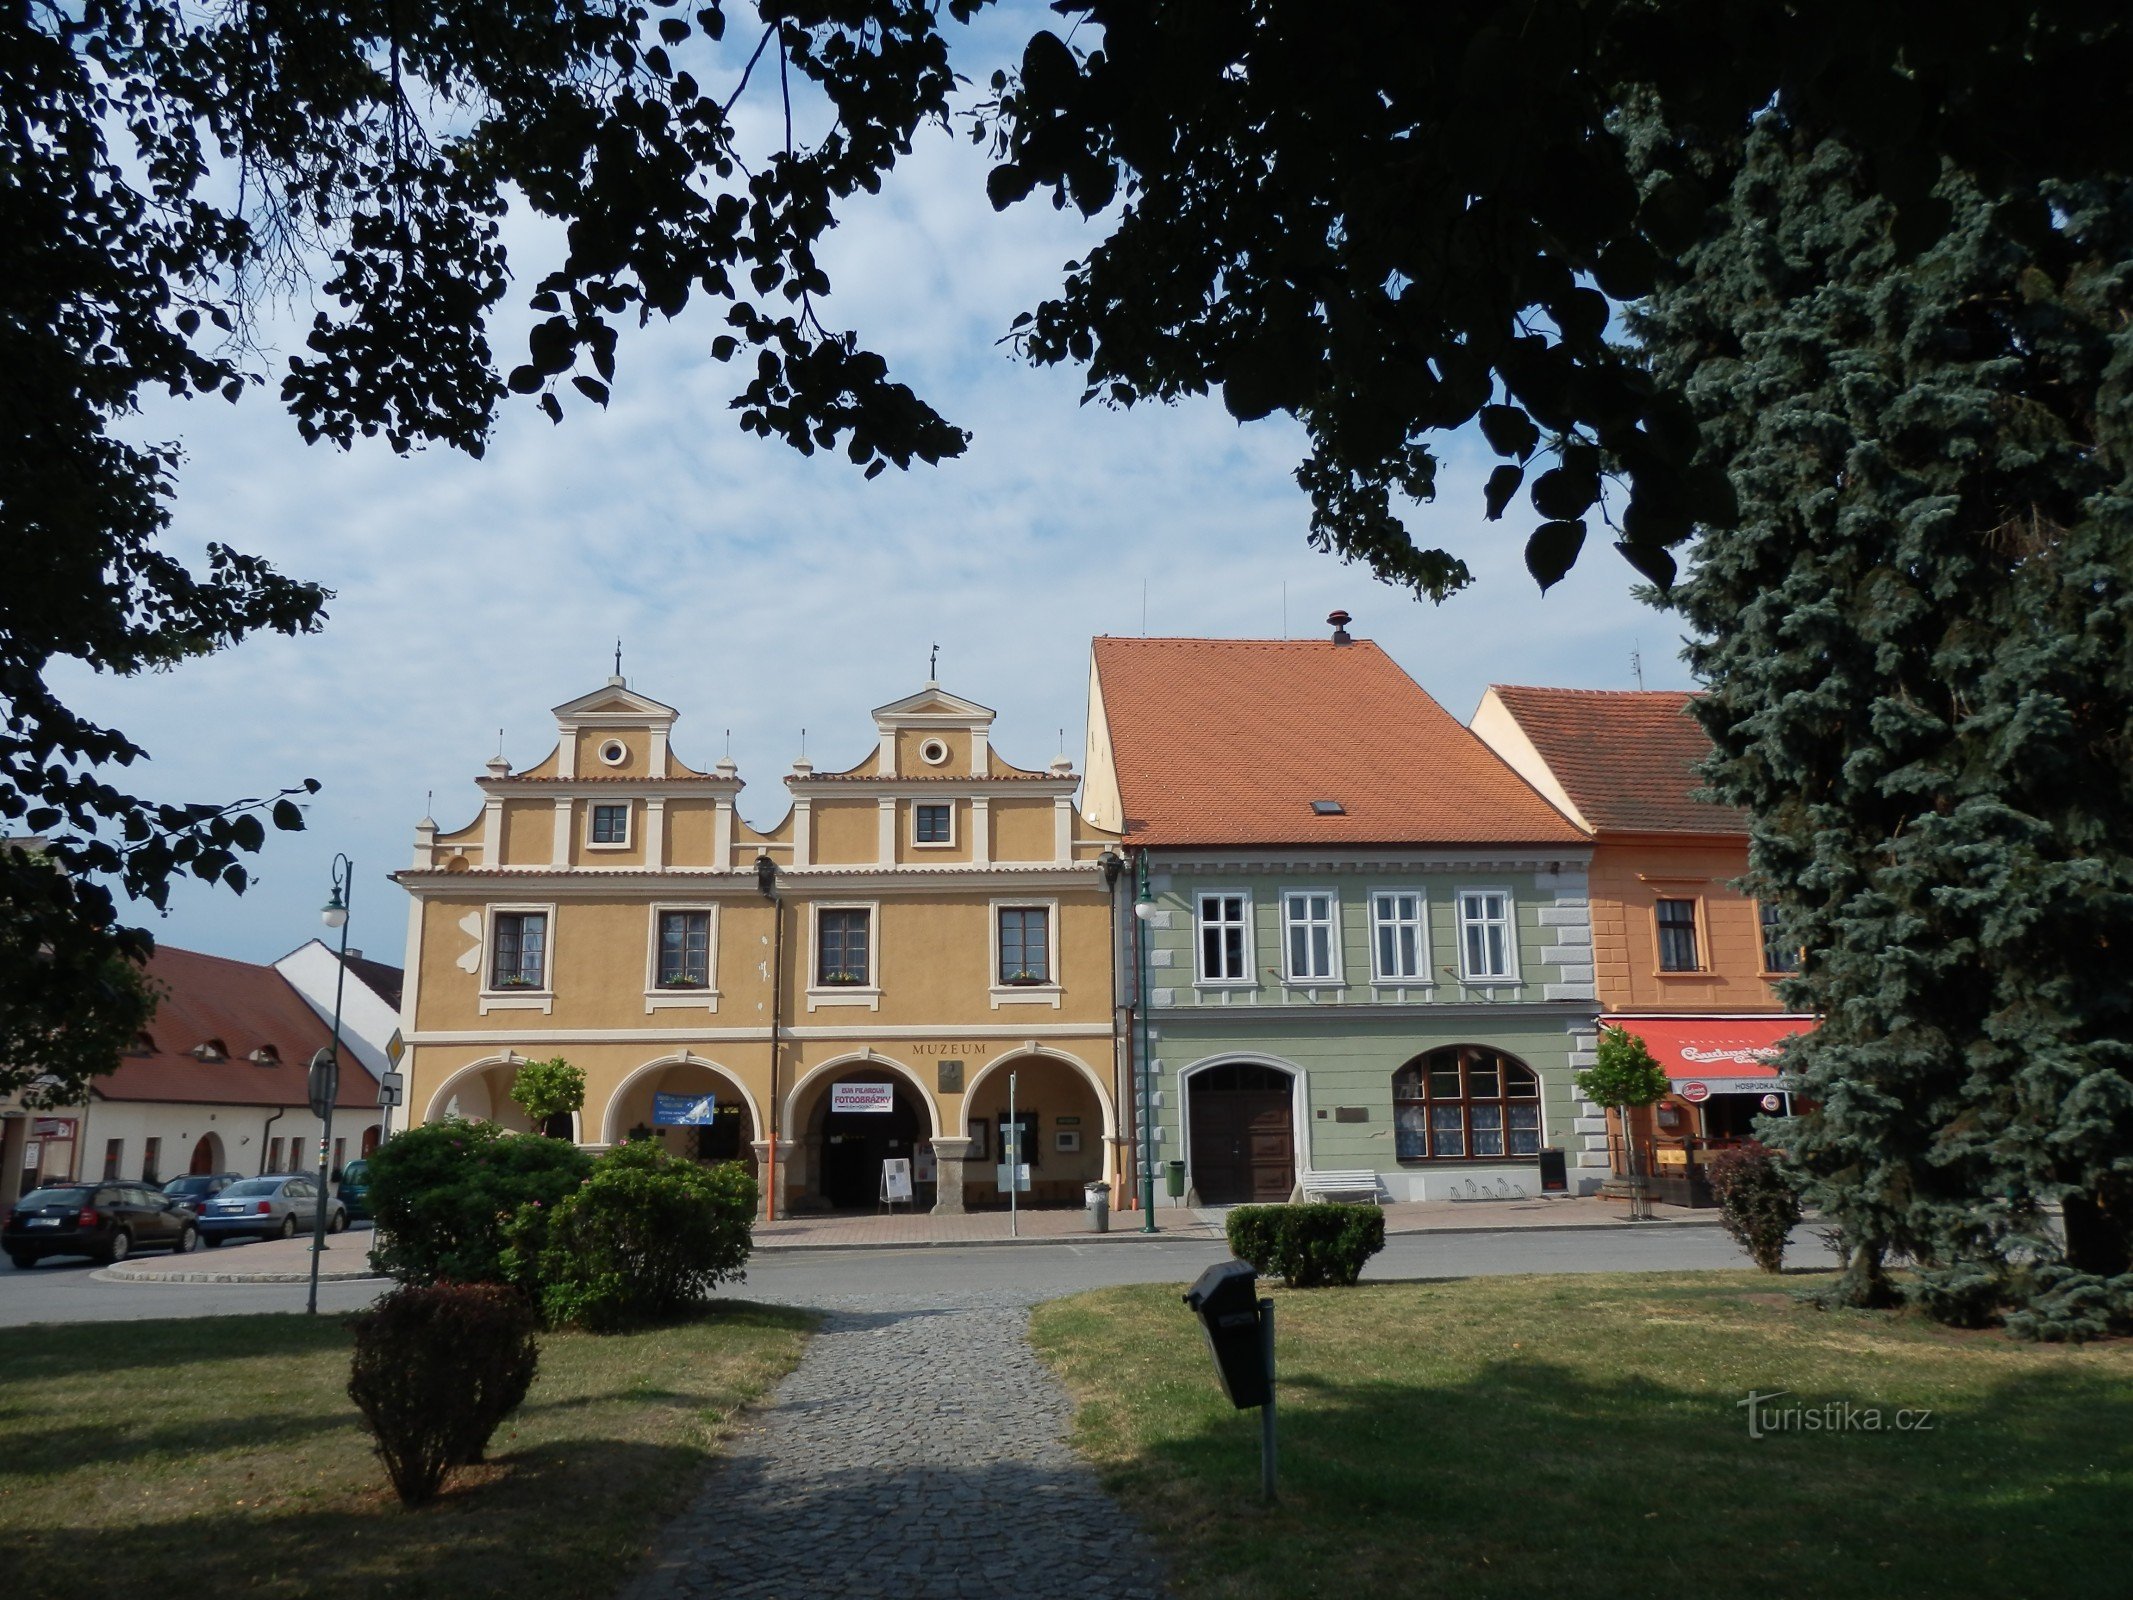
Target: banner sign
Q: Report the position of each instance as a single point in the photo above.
(879, 1097)
(687, 1110)
(61, 1128)
(896, 1179)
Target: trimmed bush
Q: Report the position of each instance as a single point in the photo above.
(1308, 1246)
(437, 1368)
(1756, 1201)
(647, 1236)
(443, 1193)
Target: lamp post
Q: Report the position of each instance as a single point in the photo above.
(766, 880)
(1143, 911)
(324, 1093)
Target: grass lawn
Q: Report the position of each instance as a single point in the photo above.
(222, 1456)
(1582, 1435)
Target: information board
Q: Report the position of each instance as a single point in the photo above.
(896, 1179)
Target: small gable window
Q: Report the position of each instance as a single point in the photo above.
(933, 824)
(614, 752)
(144, 1044)
(265, 1056)
(211, 1050)
(611, 825)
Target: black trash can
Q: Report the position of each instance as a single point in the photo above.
(1226, 1298)
(1555, 1172)
(1174, 1179)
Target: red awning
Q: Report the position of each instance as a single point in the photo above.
(1724, 1055)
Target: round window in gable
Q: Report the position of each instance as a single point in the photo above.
(933, 752)
(614, 752)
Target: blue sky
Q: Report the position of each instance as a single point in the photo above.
(764, 593)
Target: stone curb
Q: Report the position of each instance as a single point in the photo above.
(126, 1274)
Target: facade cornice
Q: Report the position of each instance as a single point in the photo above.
(604, 785)
(912, 783)
(795, 880)
(1244, 1018)
(959, 1033)
(1301, 858)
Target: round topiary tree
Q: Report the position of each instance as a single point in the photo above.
(548, 1090)
(1626, 1077)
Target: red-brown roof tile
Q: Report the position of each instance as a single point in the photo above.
(247, 1008)
(1229, 741)
(1626, 757)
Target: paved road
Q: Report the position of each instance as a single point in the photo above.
(67, 1291)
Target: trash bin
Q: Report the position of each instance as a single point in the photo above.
(1226, 1297)
(1555, 1172)
(1174, 1180)
(1097, 1197)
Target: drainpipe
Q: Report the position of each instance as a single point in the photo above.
(269, 1123)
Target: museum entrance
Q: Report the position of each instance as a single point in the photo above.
(864, 1119)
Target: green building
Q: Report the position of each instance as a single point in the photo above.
(1360, 944)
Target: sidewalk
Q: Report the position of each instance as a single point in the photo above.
(289, 1260)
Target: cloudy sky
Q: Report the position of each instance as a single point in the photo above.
(764, 594)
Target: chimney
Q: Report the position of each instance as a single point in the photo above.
(1339, 619)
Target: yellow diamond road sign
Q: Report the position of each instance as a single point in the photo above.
(395, 1048)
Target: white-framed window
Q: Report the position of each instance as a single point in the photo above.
(608, 825)
(518, 949)
(1399, 936)
(1487, 952)
(844, 954)
(681, 963)
(1311, 935)
(1025, 952)
(1225, 929)
(933, 823)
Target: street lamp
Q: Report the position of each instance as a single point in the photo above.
(766, 882)
(325, 1082)
(1144, 910)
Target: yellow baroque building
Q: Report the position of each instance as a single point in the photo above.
(921, 933)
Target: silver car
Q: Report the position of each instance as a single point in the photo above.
(278, 1206)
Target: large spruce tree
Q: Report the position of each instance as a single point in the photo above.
(1919, 646)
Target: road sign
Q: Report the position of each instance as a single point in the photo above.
(390, 1089)
(324, 1082)
(395, 1048)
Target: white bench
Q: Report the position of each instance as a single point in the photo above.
(1361, 1185)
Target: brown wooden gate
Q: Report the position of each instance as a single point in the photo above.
(1243, 1135)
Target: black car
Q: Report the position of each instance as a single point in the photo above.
(195, 1189)
(106, 1220)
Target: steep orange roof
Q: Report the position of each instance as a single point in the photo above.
(245, 1008)
(1229, 741)
(1626, 757)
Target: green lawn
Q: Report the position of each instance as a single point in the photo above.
(169, 1460)
(1582, 1435)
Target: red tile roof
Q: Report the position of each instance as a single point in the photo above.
(1626, 757)
(245, 1007)
(1229, 741)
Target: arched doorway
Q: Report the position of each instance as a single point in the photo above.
(1243, 1134)
(852, 1134)
(207, 1154)
(1063, 1126)
(690, 1108)
(370, 1141)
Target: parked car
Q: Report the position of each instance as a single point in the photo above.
(355, 1189)
(195, 1189)
(108, 1221)
(280, 1205)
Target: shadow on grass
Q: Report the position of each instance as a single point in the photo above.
(1530, 1478)
(116, 1445)
(38, 1354)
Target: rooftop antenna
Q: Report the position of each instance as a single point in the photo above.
(1636, 664)
(803, 744)
(499, 744)
(618, 658)
(933, 666)
(729, 741)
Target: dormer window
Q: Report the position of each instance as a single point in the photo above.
(143, 1045)
(610, 825)
(212, 1050)
(265, 1056)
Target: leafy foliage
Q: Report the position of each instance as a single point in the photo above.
(1624, 1073)
(648, 1236)
(548, 1089)
(1919, 647)
(1756, 1201)
(444, 1192)
(437, 1368)
(1311, 1245)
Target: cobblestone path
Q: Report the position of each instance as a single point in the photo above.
(918, 1451)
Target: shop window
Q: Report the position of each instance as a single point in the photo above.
(1465, 1102)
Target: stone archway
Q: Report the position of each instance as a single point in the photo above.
(692, 1108)
(832, 1160)
(481, 1092)
(207, 1155)
(1242, 1136)
(1066, 1122)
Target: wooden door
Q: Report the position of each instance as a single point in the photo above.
(1243, 1135)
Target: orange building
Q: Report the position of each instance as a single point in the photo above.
(1681, 956)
